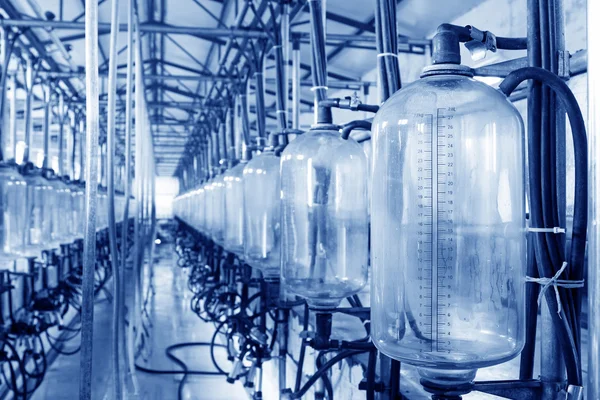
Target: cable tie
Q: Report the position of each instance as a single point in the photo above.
(555, 283)
(387, 55)
(312, 89)
(555, 230)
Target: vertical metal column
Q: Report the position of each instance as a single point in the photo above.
(91, 177)
(29, 77)
(260, 100)
(593, 277)
(61, 134)
(73, 125)
(319, 56)
(5, 52)
(296, 85)
(118, 272)
(545, 54)
(388, 77)
(47, 111)
(82, 146)
(12, 117)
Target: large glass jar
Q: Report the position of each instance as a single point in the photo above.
(324, 217)
(448, 226)
(40, 202)
(234, 209)
(13, 190)
(262, 225)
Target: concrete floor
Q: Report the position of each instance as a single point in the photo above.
(172, 322)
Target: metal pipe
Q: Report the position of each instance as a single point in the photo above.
(285, 39)
(364, 38)
(12, 117)
(334, 84)
(28, 100)
(552, 366)
(91, 175)
(5, 58)
(118, 272)
(244, 119)
(82, 146)
(47, 111)
(387, 47)
(238, 23)
(61, 133)
(221, 144)
(296, 86)
(260, 102)
(593, 273)
(145, 28)
(137, 251)
(32, 40)
(319, 59)
(55, 39)
(230, 144)
(73, 126)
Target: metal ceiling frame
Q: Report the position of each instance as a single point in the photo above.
(159, 34)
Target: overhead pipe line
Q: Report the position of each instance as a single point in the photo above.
(334, 84)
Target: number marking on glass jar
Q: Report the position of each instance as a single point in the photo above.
(436, 242)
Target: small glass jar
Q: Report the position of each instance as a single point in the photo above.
(262, 226)
(234, 209)
(40, 202)
(13, 190)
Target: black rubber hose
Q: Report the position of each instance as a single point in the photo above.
(565, 324)
(184, 368)
(319, 373)
(350, 126)
(503, 43)
(511, 43)
(325, 378)
(531, 313)
(579, 234)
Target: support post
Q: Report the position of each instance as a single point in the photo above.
(47, 113)
(593, 274)
(91, 175)
(296, 85)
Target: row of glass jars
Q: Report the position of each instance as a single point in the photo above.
(41, 211)
(447, 221)
(301, 216)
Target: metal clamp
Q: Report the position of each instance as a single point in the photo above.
(564, 64)
(481, 43)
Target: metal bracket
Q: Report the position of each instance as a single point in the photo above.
(517, 389)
